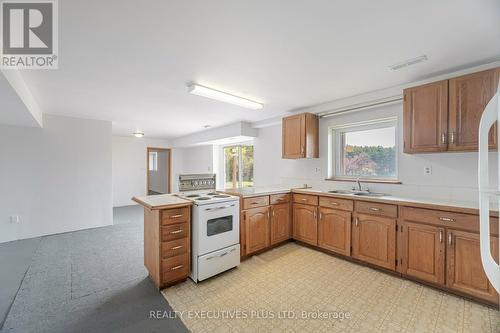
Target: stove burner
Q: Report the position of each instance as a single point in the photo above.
(212, 193)
(192, 196)
(221, 196)
(202, 198)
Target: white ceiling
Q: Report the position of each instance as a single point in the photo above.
(129, 61)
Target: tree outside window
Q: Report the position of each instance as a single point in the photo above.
(238, 166)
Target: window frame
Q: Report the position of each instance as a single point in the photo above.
(153, 161)
(240, 159)
(335, 148)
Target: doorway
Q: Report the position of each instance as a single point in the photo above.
(159, 161)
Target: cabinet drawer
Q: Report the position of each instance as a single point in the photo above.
(280, 198)
(174, 231)
(256, 202)
(461, 221)
(305, 199)
(336, 203)
(176, 215)
(175, 268)
(374, 208)
(174, 248)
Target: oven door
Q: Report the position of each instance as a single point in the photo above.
(219, 226)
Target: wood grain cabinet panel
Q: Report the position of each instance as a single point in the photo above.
(374, 240)
(464, 268)
(469, 95)
(336, 203)
(257, 229)
(334, 230)
(279, 198)
(300, 136)
(254, 202)
(305, 223)
(423, 252)
(280, 223)
(425, 118)
(305, 199)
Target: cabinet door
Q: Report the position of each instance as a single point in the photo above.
(280, 223)
(464, 268)
(426, 118)
(334, 230)
(469, 95)
(257, 229)
(305, 224)
(294, 136)
(374, 240)
(423, 252)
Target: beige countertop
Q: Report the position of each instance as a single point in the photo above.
(247, 192)
(459, 206)
(441, 204)
(161, 201)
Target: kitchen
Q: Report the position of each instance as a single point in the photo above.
(233, 167)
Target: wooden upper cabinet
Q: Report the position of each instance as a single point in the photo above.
(300, 136)
(425, 118)
(334, 230)
(464, 268)
(374, 240)
(256, 229)
(469, 95)
(280, 223)
(305, 223)
(423, 252)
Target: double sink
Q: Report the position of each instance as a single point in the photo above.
(358, 193)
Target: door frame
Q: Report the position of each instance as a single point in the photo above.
(169, 166)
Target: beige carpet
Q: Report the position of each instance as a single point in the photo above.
(306, 284)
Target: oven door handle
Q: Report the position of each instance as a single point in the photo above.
(219, 208)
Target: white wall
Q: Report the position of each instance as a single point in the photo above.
(56, 178)
(454, 175)
(129, 167)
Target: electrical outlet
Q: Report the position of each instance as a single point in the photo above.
(317, 170)
(428, 170)
(14, 219)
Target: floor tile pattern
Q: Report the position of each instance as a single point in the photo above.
(309, 283)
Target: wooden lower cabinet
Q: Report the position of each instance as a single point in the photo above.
(280, 223)
(256, 229)
(423, 252)
(374, 240)
(305, 223)
(334, 230)
(464, 268)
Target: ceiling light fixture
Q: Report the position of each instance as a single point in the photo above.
(196, 89)
(138, 134)
(408, 62)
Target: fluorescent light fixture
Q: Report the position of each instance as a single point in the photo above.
(196, 89)
(138, 134)
(408, 62)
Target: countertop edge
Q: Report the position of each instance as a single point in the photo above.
(166, 206)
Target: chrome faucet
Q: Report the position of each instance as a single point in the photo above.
(359, 184)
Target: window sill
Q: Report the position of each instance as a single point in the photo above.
(365, 180)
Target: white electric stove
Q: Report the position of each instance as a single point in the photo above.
(215, 227)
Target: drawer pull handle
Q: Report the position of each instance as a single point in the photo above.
(450, 239)
(375, 209)
(446, 219)
(334, 203)
(176, 216)
(303, 199)
(255, 203)
(440, 236)
(356, 221)
(176, 232)
(176, 247)
(176, 267)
